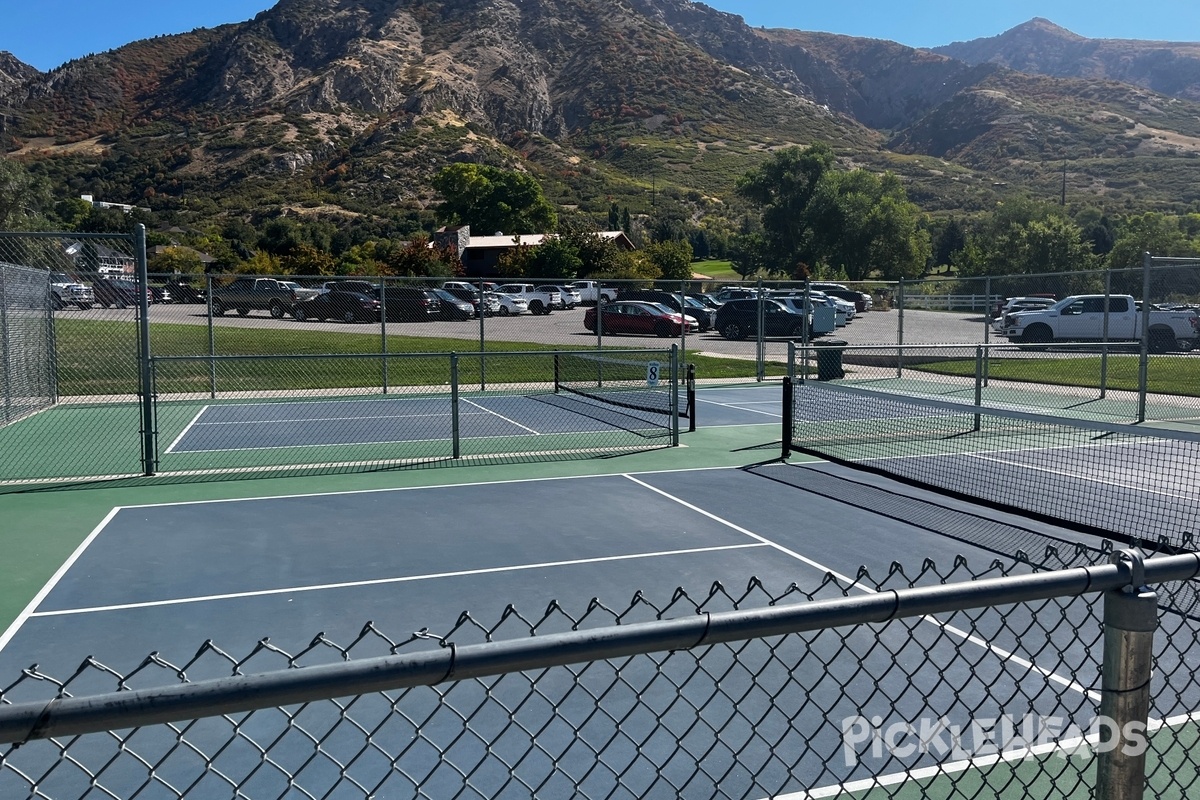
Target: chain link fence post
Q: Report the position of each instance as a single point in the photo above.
(145, 382)
(1144, 355)
(1130, 619)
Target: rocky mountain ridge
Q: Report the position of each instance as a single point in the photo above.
(360, 101)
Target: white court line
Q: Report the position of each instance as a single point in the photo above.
(187, 428)
(742, 407)
(28, 611)
(388, 581)
(995, 650)
(389, 490)
(280, 420)
(501, 416)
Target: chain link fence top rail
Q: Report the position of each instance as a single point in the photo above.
(742, 693)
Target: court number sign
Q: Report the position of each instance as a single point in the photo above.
(652, 373)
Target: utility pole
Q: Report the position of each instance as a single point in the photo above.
(1063, 200)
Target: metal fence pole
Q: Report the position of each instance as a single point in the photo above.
(146, 389)
(383, 337)
(1130, 618)
(212, 339)
(1144, 361)
(457, 445)
(760, 355)
(675, 395)
(786, 433)
(6, 376)
(978, 384)
(1104, 336)
(987, 321)
(900, 330)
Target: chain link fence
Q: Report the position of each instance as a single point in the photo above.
(955, 681)
(89, 358)
(27, 374)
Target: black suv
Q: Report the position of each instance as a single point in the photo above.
(738, 319)
(116, 292)
(693, 308)
(409, 303)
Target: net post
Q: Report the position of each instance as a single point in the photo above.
(691, 397)
(557, 372)
(787, 417)
(1130, 619)
(674, 395)
(454, 431)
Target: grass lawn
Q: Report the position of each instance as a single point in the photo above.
(97, 357)
(1178, 376)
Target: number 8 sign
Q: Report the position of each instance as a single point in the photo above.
(652, 373)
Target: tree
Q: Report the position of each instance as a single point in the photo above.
(24, 198)
(949, 240)
(176, 261)
(673, 259)
(1025, 237)
(863, 223)
(491, 200)
(783, 187)
(554, 258)
(748, 253)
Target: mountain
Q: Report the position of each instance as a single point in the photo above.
(1041, 47)
(13, 71)
(349, 107)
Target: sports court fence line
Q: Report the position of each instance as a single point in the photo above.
(1013, 680)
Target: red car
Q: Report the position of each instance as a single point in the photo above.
(639, 318)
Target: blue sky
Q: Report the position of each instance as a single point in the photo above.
(50, 32)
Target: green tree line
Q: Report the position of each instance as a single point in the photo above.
(809, 217)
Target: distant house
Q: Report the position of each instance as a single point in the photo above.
(480, 255)
(92, 257)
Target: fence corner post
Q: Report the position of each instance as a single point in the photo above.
(1130, 619)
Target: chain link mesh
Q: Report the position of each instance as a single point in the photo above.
(792, 713)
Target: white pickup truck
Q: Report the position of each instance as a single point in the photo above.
(1081, 318)
(541, 299)
(66, 292)
(592, 292)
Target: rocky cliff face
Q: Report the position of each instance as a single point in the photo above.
(13, 71)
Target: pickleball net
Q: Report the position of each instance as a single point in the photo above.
(639, 383)
(1132, 484)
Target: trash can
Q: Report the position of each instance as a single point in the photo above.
(829, 360)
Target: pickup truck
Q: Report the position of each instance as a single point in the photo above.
(255, 294)
(1081, 318)
(66, 292)
(592, 291)
(541, 299)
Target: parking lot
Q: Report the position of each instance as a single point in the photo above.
(566, 327)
